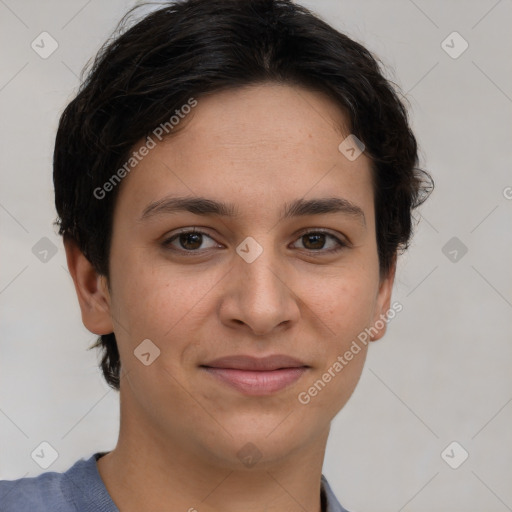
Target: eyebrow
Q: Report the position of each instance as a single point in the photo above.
(297, 208)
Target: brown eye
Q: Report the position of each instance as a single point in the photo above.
(321, 242)
(190, 241)
(313, 241)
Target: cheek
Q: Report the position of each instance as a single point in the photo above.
(158, 303)
(330, 388)
(154, 305)
(343, 305)
(344, 302)
(345, 308)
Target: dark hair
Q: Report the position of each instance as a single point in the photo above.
(191, 48)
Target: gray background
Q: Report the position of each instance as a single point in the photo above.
(441, 374)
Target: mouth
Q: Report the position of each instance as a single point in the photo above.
(256, 376)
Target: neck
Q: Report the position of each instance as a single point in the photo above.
(148, 470)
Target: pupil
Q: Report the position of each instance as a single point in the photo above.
(317, 241)
(191, 240)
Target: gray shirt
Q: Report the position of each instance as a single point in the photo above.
(81, 489)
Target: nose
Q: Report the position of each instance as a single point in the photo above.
(258, 297)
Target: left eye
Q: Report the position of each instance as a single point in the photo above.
(317, 240)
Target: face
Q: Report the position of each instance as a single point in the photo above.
(280, 260)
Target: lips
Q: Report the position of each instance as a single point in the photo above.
(269, 363)
(256, 376)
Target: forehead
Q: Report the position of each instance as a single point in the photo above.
(266, 119)
(263, 144)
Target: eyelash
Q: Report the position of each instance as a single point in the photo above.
(340, 244)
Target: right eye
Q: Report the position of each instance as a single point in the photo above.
(189, 240)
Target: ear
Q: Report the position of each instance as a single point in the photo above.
(91, 289)
(379, 325)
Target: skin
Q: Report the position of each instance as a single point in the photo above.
(258, 147)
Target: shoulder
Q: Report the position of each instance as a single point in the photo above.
(48, 492)
(42, 493)
(329, 501)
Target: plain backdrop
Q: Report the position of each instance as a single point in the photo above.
(442, 374)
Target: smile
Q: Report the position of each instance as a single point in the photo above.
(257, 382)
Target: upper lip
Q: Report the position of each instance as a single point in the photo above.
(241, 362)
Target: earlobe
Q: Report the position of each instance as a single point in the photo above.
(383, 303)
(91, 290)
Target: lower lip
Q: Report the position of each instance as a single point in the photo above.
(257, 383)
